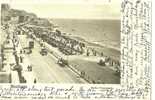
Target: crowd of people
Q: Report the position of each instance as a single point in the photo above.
(69, 46)
(65, 44)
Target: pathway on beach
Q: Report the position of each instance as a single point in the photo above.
(95, 72)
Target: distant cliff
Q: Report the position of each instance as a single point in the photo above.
(20, 16)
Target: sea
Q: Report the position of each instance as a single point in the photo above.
(98, 31)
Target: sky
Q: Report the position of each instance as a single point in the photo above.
(79, 9)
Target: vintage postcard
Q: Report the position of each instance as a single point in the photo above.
(75, 49)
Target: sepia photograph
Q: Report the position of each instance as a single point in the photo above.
(60, 43)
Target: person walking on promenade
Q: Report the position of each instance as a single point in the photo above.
(35, 81)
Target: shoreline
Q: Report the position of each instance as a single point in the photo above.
(98, 47)
(93, 43)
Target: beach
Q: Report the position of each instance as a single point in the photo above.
(103, 35)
